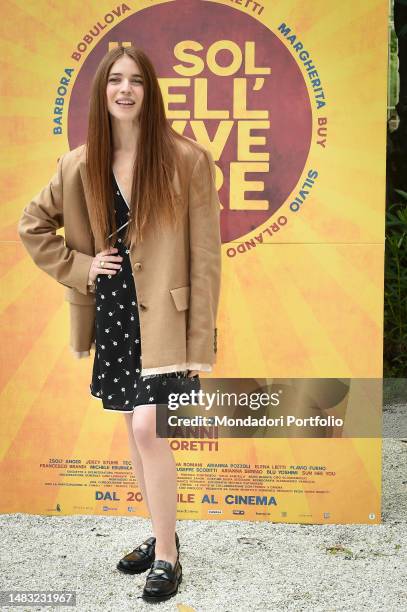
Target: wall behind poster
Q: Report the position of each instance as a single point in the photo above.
(290, 97)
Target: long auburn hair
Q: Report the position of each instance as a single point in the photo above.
(153, 198)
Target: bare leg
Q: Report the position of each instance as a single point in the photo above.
(160, 479)
(136, 459)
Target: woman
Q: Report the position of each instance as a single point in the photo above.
(141, 264)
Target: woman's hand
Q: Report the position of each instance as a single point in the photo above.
(110, 263)
(192, 373)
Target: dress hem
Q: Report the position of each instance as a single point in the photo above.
(121, 411)
(112, 409)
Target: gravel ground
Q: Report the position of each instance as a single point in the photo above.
(227, 565)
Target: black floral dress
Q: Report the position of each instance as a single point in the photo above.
(116, 376)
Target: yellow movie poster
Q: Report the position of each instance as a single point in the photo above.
(290, 99)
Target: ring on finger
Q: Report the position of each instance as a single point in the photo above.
(102, 264)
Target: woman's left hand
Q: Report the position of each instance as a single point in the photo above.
(192, 373)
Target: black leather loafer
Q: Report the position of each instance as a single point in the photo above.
(141, 558)
(162, 581)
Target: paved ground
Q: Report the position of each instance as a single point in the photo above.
(228, 566)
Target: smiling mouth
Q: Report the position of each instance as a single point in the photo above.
(122, 103)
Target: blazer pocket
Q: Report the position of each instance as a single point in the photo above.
(75, 297)
(180, 295)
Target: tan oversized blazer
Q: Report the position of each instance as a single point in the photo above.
(177, 273)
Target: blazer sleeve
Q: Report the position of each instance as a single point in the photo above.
(205, 261)
(37, 229)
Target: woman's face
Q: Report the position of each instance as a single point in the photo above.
(124, 89)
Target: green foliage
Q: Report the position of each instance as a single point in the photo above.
(393, 85)
(395, 290)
